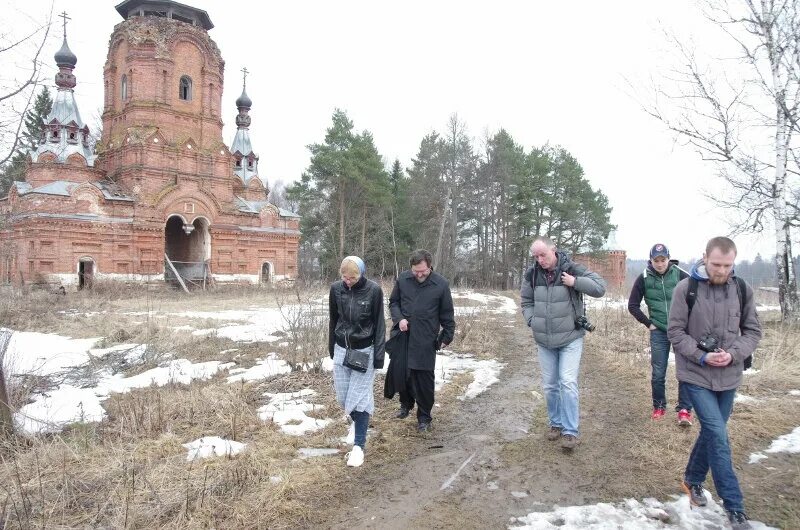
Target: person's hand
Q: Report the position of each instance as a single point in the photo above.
(403, 325)
(568, 279)
(443, 346)
(718, 358)
(653, 327)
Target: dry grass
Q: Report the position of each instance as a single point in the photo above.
(131, 470)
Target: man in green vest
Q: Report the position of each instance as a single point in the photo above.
(655, 285)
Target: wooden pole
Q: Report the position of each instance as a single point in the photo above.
(6, 420)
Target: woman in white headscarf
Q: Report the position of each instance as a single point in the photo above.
(357, 323)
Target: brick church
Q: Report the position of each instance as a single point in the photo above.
(161, 196)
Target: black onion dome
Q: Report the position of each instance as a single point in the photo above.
(244, 100)
(65, 57)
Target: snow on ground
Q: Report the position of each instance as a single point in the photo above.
(44, 353)
(260, 324)
(630, 514)
(605, 303)
(310, 452)
(794, 392)
(745, 399)
(209, 446)
(786, 443)
(288, 409)
(263, 368)
(52, 411)
(484, 372)
(490, 303)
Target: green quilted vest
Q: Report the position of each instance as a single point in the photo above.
(658, 294)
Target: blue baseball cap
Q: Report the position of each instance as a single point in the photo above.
(659, 249)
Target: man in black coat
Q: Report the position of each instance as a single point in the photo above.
(422, 306)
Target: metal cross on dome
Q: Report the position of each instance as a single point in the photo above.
(65, 17)
(244, 76)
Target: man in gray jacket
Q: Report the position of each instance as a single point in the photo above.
(552, 304)
(713, 331)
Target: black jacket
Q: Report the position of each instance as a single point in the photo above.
(427, 306)
(357, 318)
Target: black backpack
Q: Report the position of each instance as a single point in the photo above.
(741, 292)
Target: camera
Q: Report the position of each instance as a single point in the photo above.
(583, 323)
(708, 343)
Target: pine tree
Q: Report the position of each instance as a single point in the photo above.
(34, 124)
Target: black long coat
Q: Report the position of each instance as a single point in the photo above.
(428, 307)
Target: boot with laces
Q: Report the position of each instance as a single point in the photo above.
(739, 521)
(697, 496)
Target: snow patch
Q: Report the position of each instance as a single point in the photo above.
(745, 399)
(630, 514)
(209, 446)
(263, 369)
(288, 409)
(484, 372)
(491, 303)
(310, 452)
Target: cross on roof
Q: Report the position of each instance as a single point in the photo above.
(244, 76)
(65, 17)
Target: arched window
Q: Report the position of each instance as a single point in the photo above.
(124, 87)
(185, 88)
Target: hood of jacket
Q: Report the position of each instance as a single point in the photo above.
(699, 273)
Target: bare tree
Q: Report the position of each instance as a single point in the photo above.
(741, 115)
(20, 53)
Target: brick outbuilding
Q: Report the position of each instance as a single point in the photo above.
(160, 192)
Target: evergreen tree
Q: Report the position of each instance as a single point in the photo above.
(34, 124)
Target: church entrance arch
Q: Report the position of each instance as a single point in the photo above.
(266, 273)
(188, 247)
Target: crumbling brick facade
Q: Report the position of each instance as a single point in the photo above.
(161, 181)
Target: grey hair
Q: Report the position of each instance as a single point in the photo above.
(543, 239)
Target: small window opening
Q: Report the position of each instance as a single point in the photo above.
(124, 87)
(185, 89)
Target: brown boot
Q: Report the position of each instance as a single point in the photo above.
(554, 433)
(569, 442)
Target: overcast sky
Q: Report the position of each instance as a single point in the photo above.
(552, 72)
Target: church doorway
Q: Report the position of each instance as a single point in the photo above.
(85, 273)
(266, 273)
(187, 248)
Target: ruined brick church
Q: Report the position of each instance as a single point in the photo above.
(161, 196)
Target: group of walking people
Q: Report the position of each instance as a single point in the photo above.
(707, 316)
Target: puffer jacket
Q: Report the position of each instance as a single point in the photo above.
(548, 309)
(716, 312)
(356, 318)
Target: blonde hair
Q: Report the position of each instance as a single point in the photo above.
(349, 268)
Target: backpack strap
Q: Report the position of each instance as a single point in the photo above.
(741, 292)
(691, 295)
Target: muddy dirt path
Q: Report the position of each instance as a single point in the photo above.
(487, 459)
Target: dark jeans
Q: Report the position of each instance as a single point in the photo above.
(712, 449)
(659, 359)
(361, 421)
(419, 389)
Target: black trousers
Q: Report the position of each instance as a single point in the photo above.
(419, 389)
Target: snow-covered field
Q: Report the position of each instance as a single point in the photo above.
(57, 357)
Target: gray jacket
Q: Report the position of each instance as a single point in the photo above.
(548, 309)
(715, 312)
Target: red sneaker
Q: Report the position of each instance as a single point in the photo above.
(684, 418)
(658, 414)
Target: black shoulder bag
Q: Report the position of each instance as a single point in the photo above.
(355, 359)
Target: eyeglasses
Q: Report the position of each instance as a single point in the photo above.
(423, 272)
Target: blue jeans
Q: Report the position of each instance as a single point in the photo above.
(659, 358)
(560, 383)
(361, 421)
(712, 449)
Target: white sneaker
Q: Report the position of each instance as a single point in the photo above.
(356, 457)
